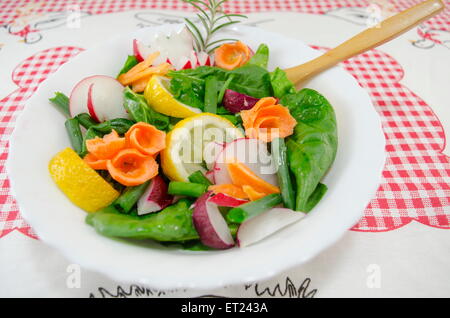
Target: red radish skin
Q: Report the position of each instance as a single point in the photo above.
(210, 224)
(177, 47)
(235, 102)
(90, 105)
(155, 197)
(136, 52)
(105, 98)
(224, 200)
(266, 224)
(188, 65)
(177, 51)
(210, 176)
(203, 59)
(78, 101)
(140, 50)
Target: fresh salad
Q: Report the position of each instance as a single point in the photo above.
(194, 142)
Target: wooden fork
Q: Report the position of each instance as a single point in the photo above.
(366, 40)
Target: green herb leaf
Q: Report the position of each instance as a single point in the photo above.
(211, 17)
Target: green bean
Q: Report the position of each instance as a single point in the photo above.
(75, 136)
(120, 125)
(211, 95)
(251, 209)
(86, 120)
(284, 178)
(129, 197)
(224, 88)
(199, 177)
(62, 102)
(187, 188)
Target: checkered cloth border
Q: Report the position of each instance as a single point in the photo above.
(416, 177)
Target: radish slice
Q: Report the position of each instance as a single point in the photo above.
(105, 99)
(210, 224)
(175, 48)
(155, 198)
(251, 152)
(210, 152)
(99, 95)
(225, 200)
(141, 51)
(203, 59)
(78, 101)
(265, 224)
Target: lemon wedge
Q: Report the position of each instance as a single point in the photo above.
(79, 182)
(185, 143)
(161, 100)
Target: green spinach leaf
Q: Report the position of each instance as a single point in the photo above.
(312, 148)
(188, 86)
(251, 80)
(280, 83)
(172, 224)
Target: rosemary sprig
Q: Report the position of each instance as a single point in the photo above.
(213, 19)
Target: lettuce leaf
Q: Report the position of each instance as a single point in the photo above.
(261, 56)
(139, 111)
(281, 85)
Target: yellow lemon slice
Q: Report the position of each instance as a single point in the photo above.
(185, 143)
(79, 182)
(161, 100)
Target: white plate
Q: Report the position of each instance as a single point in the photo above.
(352, 180)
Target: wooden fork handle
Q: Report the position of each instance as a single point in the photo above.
(366, 40)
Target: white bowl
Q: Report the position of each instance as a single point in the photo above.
(352, 180)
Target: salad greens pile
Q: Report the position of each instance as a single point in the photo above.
(310, 150)
(128, 135)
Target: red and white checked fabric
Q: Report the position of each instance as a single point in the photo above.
(416, 177)
(27, 77)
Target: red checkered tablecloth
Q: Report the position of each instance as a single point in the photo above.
(416, 177)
